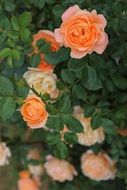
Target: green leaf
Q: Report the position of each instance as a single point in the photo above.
(7, 107)
(61, 150)
(25, 19)
(15, 23)
(89, 110)
(53, 138)
(109, 126)
(71, 138)
(16, 54)
(120, 82)
(5, 52)
(73, 124)
(77, 65)
(55, 58)
(39, 3)
(65, 103)
(9, 5)
(96, 121)
(13, 34)
(67, 76)
(79, 92)
(34, 60)
(6, 86)
(55, 122)
(25, 34)
(89, 77)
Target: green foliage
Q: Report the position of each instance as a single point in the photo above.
(98, 83)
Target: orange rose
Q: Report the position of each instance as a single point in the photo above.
(48, 36)
(98, 166)
(34, 112)
(27, 183)
(82, 31)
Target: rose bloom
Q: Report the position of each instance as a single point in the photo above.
(38, 169)
(82, 31)
(98, 166)
(59, 170)
(5, 153)
(48, 36)
(122, 132)
(34, 112)
(43, 82)
(89, 136)
(26, 182)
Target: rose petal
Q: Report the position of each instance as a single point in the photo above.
(70, 12)
(77, 54)
(48, 32)
(99, 19)
(58, 35)
(101, 47)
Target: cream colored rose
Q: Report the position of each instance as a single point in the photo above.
(89, 136)
(98, 166)
(43, 82)
(59, 170)
(4, 154)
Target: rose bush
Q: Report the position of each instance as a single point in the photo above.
(63, 92)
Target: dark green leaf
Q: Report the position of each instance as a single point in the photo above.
(55, 122)
(53, 138)
(109, 126)
(96, 121)
(61, 150)
(6, 86)
(77, 65)
(89, 110)
(89, 77)
(7, 107)
(79, 92)
(67, 76)
(73, 124)
(71, 138)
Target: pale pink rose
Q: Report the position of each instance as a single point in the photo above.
(82, 31)
(98, 166)
(89, 136)
(59, 170)
(5, 154)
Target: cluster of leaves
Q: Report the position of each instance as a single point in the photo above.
(98, 83)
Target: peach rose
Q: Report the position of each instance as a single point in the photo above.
(59, 170)
(26, 182)
(38, 169)
(82, 31)
(34, 112)
(43, 82)
(97, 166)
(89, 136)
(5, 153)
